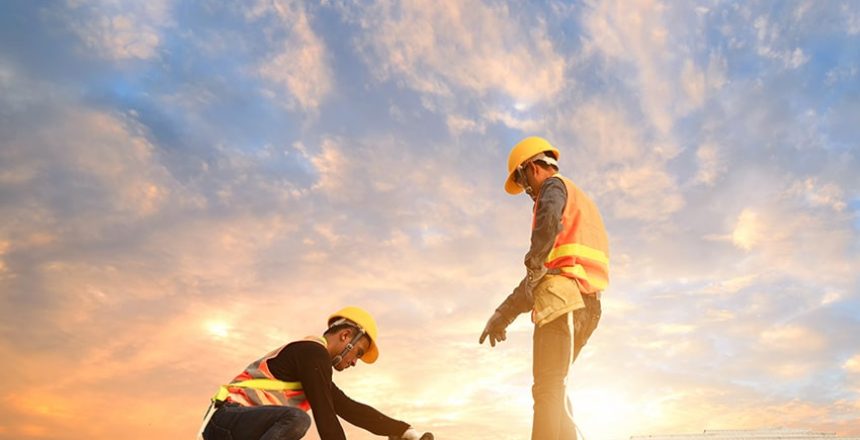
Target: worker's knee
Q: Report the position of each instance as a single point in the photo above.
(293, 425)
(549, 387)
(305, 422)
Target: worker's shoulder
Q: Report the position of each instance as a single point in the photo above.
(553, 187)
(554, 181)
(306, 347)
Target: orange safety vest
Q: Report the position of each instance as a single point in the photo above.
(257, 386)
(581, 249)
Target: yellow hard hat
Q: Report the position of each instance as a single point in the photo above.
(362, 319)
(521, 152)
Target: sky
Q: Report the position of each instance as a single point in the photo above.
(185, 186)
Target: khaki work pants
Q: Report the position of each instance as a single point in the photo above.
(556, 345)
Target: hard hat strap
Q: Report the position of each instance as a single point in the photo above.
(359, 332)
(521, 171)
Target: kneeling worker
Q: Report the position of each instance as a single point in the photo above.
(269, 400)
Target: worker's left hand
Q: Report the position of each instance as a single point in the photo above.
(495, 329)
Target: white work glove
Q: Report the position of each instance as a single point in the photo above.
(412, 434)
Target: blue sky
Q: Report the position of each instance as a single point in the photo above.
(187, 185)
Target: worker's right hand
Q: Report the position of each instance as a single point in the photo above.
(495, 329)
(412, 434)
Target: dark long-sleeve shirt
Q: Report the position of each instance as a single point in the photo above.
(309, 363)
(548, 210)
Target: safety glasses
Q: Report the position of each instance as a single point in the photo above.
(520, 176)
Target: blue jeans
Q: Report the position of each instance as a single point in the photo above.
(233, 422)
(556, 345)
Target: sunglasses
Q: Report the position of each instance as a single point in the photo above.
(520, 175)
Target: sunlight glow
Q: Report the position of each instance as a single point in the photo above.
(747, 232)
(606, 413)
(218, 329)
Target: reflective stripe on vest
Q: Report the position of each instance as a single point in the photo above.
(581, 249)
(257, 386)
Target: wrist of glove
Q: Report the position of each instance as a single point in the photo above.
(533, 277)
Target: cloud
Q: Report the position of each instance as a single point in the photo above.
(693, 83)
(129, 242)
(459, 124)
(711, 164)
(606, 151)
(852, 19)
(519, 122)
(331, 167)
(852, 365)
(644, 192)
(827, 195)
(731, 286)
(769, 35)
(299, 67)
(453, 47)
(748, 231)
(603, 131)
(792, 338)
(635, 38)
(792, 240)
(840, 74)
(117, 30)
(105, 159)
(700, 83)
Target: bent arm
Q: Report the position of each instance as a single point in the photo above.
(549, 208)
(365, 416)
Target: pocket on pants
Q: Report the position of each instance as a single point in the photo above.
(555, 296)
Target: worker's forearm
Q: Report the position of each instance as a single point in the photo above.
(517, 302)
(365, 416)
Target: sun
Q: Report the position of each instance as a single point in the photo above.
(218, 329)
(604, 413)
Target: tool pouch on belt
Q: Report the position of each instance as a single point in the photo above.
(554, 296)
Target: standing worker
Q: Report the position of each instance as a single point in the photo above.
(269, 399)
(567, 268)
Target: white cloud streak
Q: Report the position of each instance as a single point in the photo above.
(711, 164)
(768, 36)
(443, 49)
(299, 67)
(118, 30)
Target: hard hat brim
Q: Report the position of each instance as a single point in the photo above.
(372, 353)
(522, 151)
(511, 186)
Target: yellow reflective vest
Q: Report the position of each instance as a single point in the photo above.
(580, 256)
(257, 386)
(581, 249)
